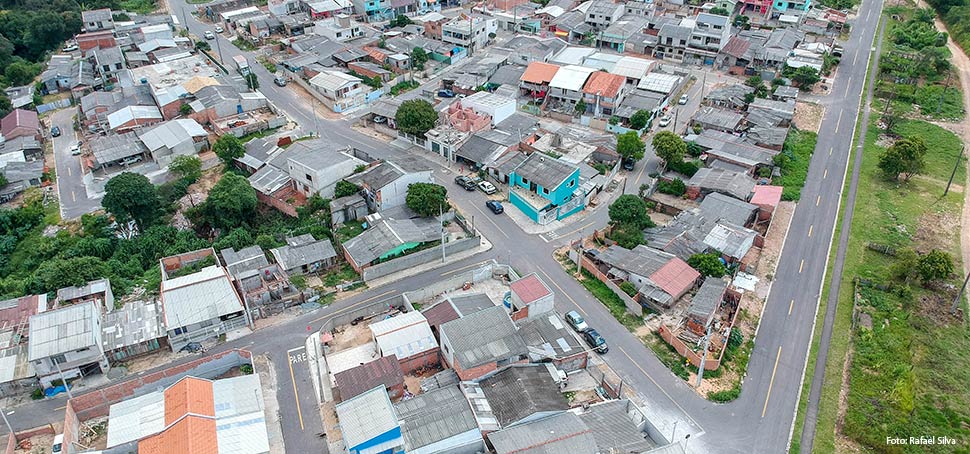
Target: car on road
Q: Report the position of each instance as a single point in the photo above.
(446, 94)
(664, 121)
(219, 29)
(495, 206)
(209, 35)
(628, 164)
(576, 321)
(56, 131)
(487, 187)
(280, 81)
(595, 341)
(683, 100)
(465, 182)
(76, 148)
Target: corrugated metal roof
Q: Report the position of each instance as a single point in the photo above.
(436, 416)
(130, 113)
(385, 371)
(405, 335)
(136, 322)
(485, 336)
(556, 434)
(198, 297)
(366, 416)
(571, 77)
(64, 330)
(171, 133)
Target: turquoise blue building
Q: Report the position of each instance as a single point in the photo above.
(546, 189)
(796, 5)
(369, 424)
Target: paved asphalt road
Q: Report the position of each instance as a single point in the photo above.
(759, 421)
(70, 189)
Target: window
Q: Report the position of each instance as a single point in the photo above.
(58, 359)
(524, 180)
(83, 350)
(571, 183)
(308, 177)
(545, 191)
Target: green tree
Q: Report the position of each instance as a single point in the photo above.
(669, 147)
(805, 77)
(345, 188)
(580, 107)
(131, 197)
(185, 109)
(401, 20)
(203, 46)
(629, 146)
(934, 265)
(707, 264)
(629, 209)
(905, 157)
(628, 288)
(229, 147)
(639, 119)
(5, 105)
(231, 202)
(694, 149)
(426, 199)
(627, 235)
(3, 180)
(186, 167)
(720, 11)
(237, 239)
(754, 81)
(252, 82)
(20, 73)
(416, 117)
(419, 57)
(741, 21)
(66, 272)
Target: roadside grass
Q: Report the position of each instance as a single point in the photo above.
(667, 355)
(798, 149)
(611, 301)
(243, 45)
(270, 66)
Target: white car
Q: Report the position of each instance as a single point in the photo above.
(683, 100)
(209, 35)
(58, 444)
(71, 47)
(76, 148)
(219, 29)
(664, 121)
(487, 187)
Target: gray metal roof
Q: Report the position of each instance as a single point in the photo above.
(734, 184)
(378, 176)
(269, 179)
(112, 147)
(732, 94)
(506, 163)
(615, 429)
(318, 154)
(719, 206)
(435, 416)
(639, 100)
(733, 148)
(547, 336)
(674, 31)
(556, 434)
(507, 75)
(171, 133)
(303, 250)
(366, 416)
(64, 330)
(768, 136)
(786, 92)
(470, 303)
(545, 171)
(521, 391)
(205, 295)
(704, 304)
(478, 149)
(136, 322)
(721, 118)
(641, 260)
(483, 337)
(91, 288)
(388, 234)
(246, 259)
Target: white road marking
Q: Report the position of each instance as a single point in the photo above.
(839, 122)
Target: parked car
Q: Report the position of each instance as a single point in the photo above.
(379, 119)
(209, 35)
(70, 47)
(487, 187)
(628, 164)
(465, 182)
(193, 347)
(446, 94)
(595, 341)
(495, 206)
(76, 148)
(576, 321)
(130, 160)
(219, 29)
(58, 444)
(683, 100)
(56, 131)
(664, 121)
(280, 81)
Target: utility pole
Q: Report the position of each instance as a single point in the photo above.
(953, 174)
(956, 301)
(700, 369)
(63, 380)
(441, 222)
(673, 433)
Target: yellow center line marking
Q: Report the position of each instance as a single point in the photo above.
(549, 279)
(351, 306)
(463, 268)
(818, 200)
(506, 235)
(771, 383)
(60, 408)
(791, 306)
(802, 265)
(825, 173)
(810, 230)
(640, 173)
(577, 230)
(296, 394)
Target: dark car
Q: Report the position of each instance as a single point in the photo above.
(446, 93)
(465, 182)
(628, 164)
(595, 341)
(495, 207)
(193, 347)
(55, 131)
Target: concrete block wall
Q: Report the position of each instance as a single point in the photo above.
(418, 258)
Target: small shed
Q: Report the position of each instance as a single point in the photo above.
(530, 296)
(767, 198)
(384, 372)
(704, 305)
(409, 337)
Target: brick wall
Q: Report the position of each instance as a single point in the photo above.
(425, 359)
(475, 372)
(42, 430)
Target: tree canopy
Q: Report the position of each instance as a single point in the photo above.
(187, 167)
(629, 209)
(905, 157)
(416, 117)
(804, 77)
(629, 146)
(934, 265)
(229, 147)
(426, 199)
(669, 147)
(131, 197)
(345, 188)
(639, 119)
(419, 57)
(707, 264)
(231, 202)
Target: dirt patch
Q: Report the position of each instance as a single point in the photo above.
(808, 116)
(934, 229)
(350, 336)
(197, 193)
(412, 382)
(586, 396)
(35, 445)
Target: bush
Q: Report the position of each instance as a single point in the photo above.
(246, 369)
(724, 396)
(675, 187)
(628, 288)
(688, 168)
(37, 394)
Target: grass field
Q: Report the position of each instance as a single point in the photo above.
(798, 149)
(901, 384)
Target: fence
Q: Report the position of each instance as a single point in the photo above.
(632, 306)
(12, 440)
(418, 258)
(485, 272)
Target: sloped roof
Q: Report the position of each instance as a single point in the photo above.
(735, 184)
(198, 297)
(385, 371)
(366, 416)
(727, 208)
(405, 335)
(388, 234)
(708, 298)
(539, 72)
(767, 195)
(171, 133)
(521, 391)
(63, 330)
(545, 171)
(736, 47)
(303, 250)
(571, 77)
(530, 288)
(19, 118)
(604, 84)
(435, 416)
(555, 434)
(124, 115)
(485, 336)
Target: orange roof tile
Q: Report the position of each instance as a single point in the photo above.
(376, 54)
(604, 84)
(189, 395)
(539, 72)
(192, 434)
(675, 277)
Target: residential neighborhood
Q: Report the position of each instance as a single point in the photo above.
(509, 226)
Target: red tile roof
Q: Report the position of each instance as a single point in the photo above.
(539, 73)
(358, 380)
(14, 311)
(19, 118)
(530, 288)
(675, 277)
(189, 395)
(767, 195)
(440, 313)
(377, 54)
(602, 83)
(736, 47)
(192, 434)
